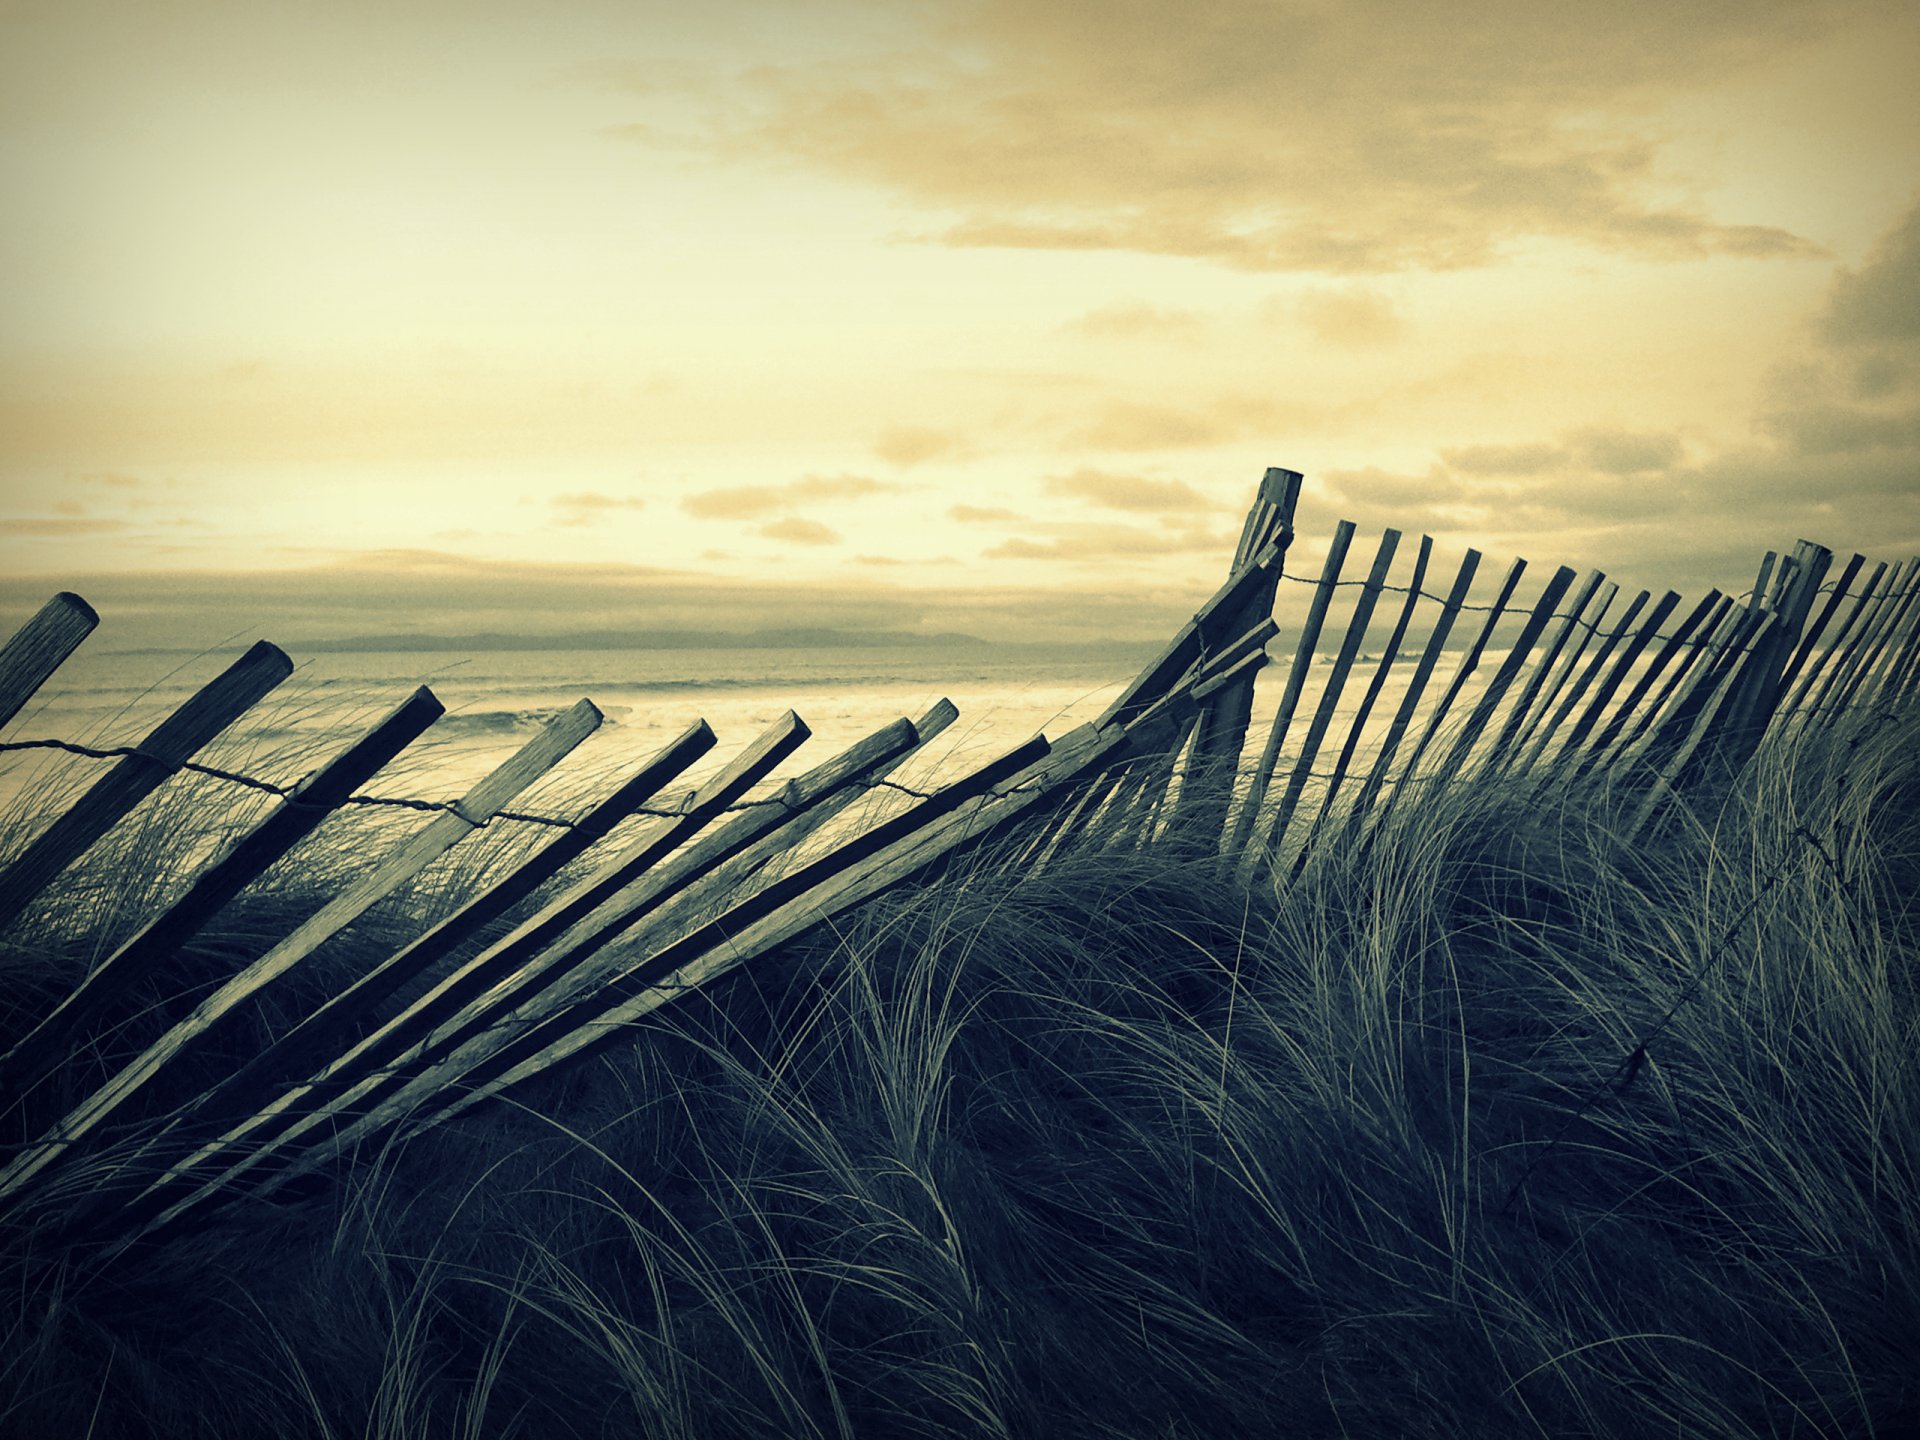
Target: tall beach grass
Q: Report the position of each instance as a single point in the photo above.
(1501, 1122)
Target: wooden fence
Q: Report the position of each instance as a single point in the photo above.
(1399, 680)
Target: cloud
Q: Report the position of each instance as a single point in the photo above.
(1530, 459)
(1270, 136)
(1621, 452)
(1128, 492)
(748, 502)
(50, 525)
(979, 514)
(1133, 426)
(113, 479)
(1136, 322)
(1351, 318)
(795, 531)
(908, 445)
(1105, 542)
(585, 506)
(1881, 301)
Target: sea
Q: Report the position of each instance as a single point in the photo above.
(497, 699)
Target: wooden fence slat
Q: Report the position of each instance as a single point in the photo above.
(500, 986)
(1378, 683)
(1821, 667)
(1550, 724)
(1462, 673)
(1837, 692)
(1744, 719)
(472, 810)
(1862, 685)
(473, 1069)
(1695, 759)
(374, 1066)
(1633, 706)
(1901, 668)
(296, 817)
(134, 777)
(1510, 668)
(1721, 657)
(40, 647)
(1636, 645)
(1718, 608)
(1303, 656)
(1211, 622)
(1272, 513)
(776, 917)
(554, 977)
(1810, 638)
(1330, 692)
(353, 1011)
(1526, 713)
(1416, 687)
(1560, 697)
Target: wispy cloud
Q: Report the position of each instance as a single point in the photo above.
(50, 525)
(1267, 137)
(908, 445)
(583, 507)
(1128, 492)
(749, 502)
(1106, 542)
(1137, 322)
(797, 531)
(980, 514)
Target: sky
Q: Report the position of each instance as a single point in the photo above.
(934, 314)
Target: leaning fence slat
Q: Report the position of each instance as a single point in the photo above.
(1526, 712)
(356, 1009)
(1214, 621)
(1636, 701)
(534, 759)
(1303, 657)
(39, 648)
(1744, 718)
(1810, 639)
(1676, 727)
(1462, 673)
(1336, 681)
(1863, 685)
(296, 817)
(1556, 702)
(1822, 667)
(1712, 631)
(1416, 687)
(1388, 656)
(1551, 724)
(477, 1067)
(1837, 692)
(576, 962)
(370, 1068)
(1510, 668)
(776, 917)
(175, 740)
(511, 960)
(1636, 645)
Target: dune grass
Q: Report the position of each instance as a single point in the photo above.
(1499, 1124)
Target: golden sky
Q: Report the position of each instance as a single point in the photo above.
(920, 308)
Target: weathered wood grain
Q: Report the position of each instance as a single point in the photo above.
(90, 1004)
(472, 810)
(39, 647)
(175, 740)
